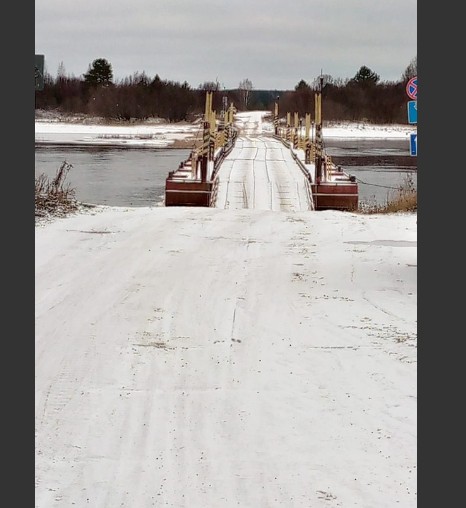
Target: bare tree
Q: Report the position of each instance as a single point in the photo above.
(245, 88)
(410, 71)
(61, 73)
(327, 79)
(209, 86)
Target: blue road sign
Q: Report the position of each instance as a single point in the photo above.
(412, 111)
(413, 144)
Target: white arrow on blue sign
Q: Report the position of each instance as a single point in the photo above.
(413, 144)
(412, 111)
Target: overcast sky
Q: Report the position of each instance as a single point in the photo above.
(273, 43)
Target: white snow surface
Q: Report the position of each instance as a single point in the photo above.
(153, 134)
(207, 357)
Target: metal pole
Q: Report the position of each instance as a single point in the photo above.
(275, 118)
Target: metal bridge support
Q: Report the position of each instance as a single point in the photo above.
(295, 131)
(288, 126)
(319, 140)
(307, 142)
(275, 118)
(205, 151)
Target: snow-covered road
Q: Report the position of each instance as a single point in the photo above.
(200, 358)
(260, 173)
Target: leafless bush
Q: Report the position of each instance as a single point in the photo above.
(54, 197)
(403, 200)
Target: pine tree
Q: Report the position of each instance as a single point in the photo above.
(99, 73)
(366, 76)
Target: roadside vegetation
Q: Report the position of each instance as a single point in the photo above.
(54, 197)
(403, 199)
(362, 97)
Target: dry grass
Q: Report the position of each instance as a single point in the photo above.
(403, 200)
(54, 197)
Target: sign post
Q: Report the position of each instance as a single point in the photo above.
(411, 90)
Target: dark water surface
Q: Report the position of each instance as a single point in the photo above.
(136, 177)
(110, 175)
(381, 167)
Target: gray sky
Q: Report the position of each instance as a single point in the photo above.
(273, 43)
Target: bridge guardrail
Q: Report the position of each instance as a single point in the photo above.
(302, 167)
(218, 159)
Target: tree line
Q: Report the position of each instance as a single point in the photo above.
(138, 97)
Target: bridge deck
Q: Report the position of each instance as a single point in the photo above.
(260, 173)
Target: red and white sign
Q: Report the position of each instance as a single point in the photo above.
(411, 88)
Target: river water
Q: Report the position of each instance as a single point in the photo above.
(380, 166)
(136, 177)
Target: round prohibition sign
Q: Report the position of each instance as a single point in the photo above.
(411, 88)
